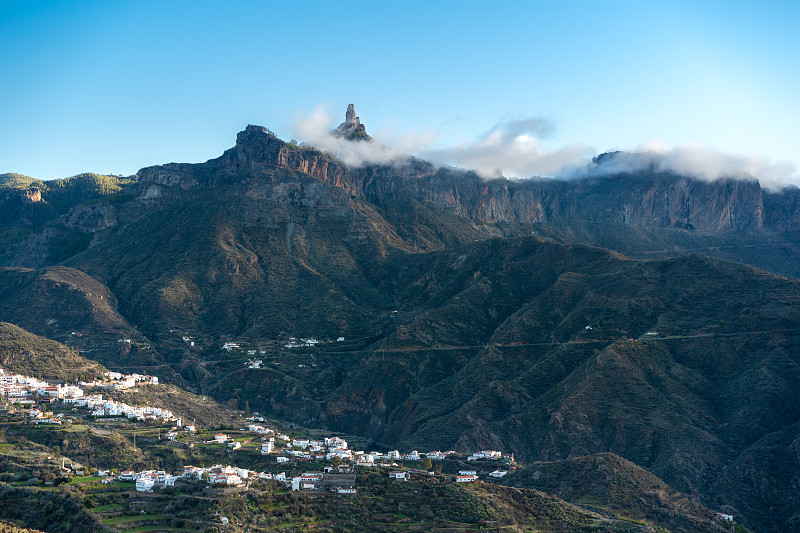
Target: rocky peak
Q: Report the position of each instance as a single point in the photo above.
(351, 129)
(350, 115)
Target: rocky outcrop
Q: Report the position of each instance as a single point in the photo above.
(648, 199)
(352, 129)
(32, 195)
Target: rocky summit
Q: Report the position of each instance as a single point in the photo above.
(351, 129)
(648, 315)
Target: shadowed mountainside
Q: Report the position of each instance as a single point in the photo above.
(609, 483)
(30, 355)
(464, 327)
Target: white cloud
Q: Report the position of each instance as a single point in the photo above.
(315, 129)
(509, 150)
(512, 148)
(701, 162)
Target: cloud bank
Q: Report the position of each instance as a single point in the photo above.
(700, 162)
(513, 148)
(315, 130)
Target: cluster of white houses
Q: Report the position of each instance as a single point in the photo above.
(119, 381)
(300, 343)
(22, 389)
(25, 389)
(226, 476)
(217, 475)
(103, 407)
(333, 447)
(294, 342)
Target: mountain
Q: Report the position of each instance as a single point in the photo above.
(609, 483)
(23, 353)
(71, 307)
(548, 318)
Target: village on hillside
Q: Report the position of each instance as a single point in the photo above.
(338, 463)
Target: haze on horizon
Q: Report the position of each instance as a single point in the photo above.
(520, 89)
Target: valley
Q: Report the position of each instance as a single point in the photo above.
(644, 321)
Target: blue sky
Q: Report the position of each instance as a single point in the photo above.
(116, 86)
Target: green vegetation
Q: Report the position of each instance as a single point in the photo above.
(31, 355)
(477, 314)
(23, 213)
(53, 512)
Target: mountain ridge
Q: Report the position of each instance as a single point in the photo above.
(472, 313)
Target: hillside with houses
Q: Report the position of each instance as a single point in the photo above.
(324, 474)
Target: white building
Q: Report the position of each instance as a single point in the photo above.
(413, 456)
(267, 447)
(145, 484)
(128, 475)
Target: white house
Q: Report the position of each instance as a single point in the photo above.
(300, 443)
(337, 452)
(335, 442)
(267, 447)
(311, 476)
(413, 456)
(365, 460)
(225, 478)
(282, 459)
(192, 472)
(128, 475)
(466, 479)
(498, 473)
(400, 476)
(145, 484)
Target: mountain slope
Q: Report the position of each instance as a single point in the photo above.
(67, 305)
(610, 483)
(463, 326)
(30, 355)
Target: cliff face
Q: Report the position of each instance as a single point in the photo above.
(645, 200)
(782, 210)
